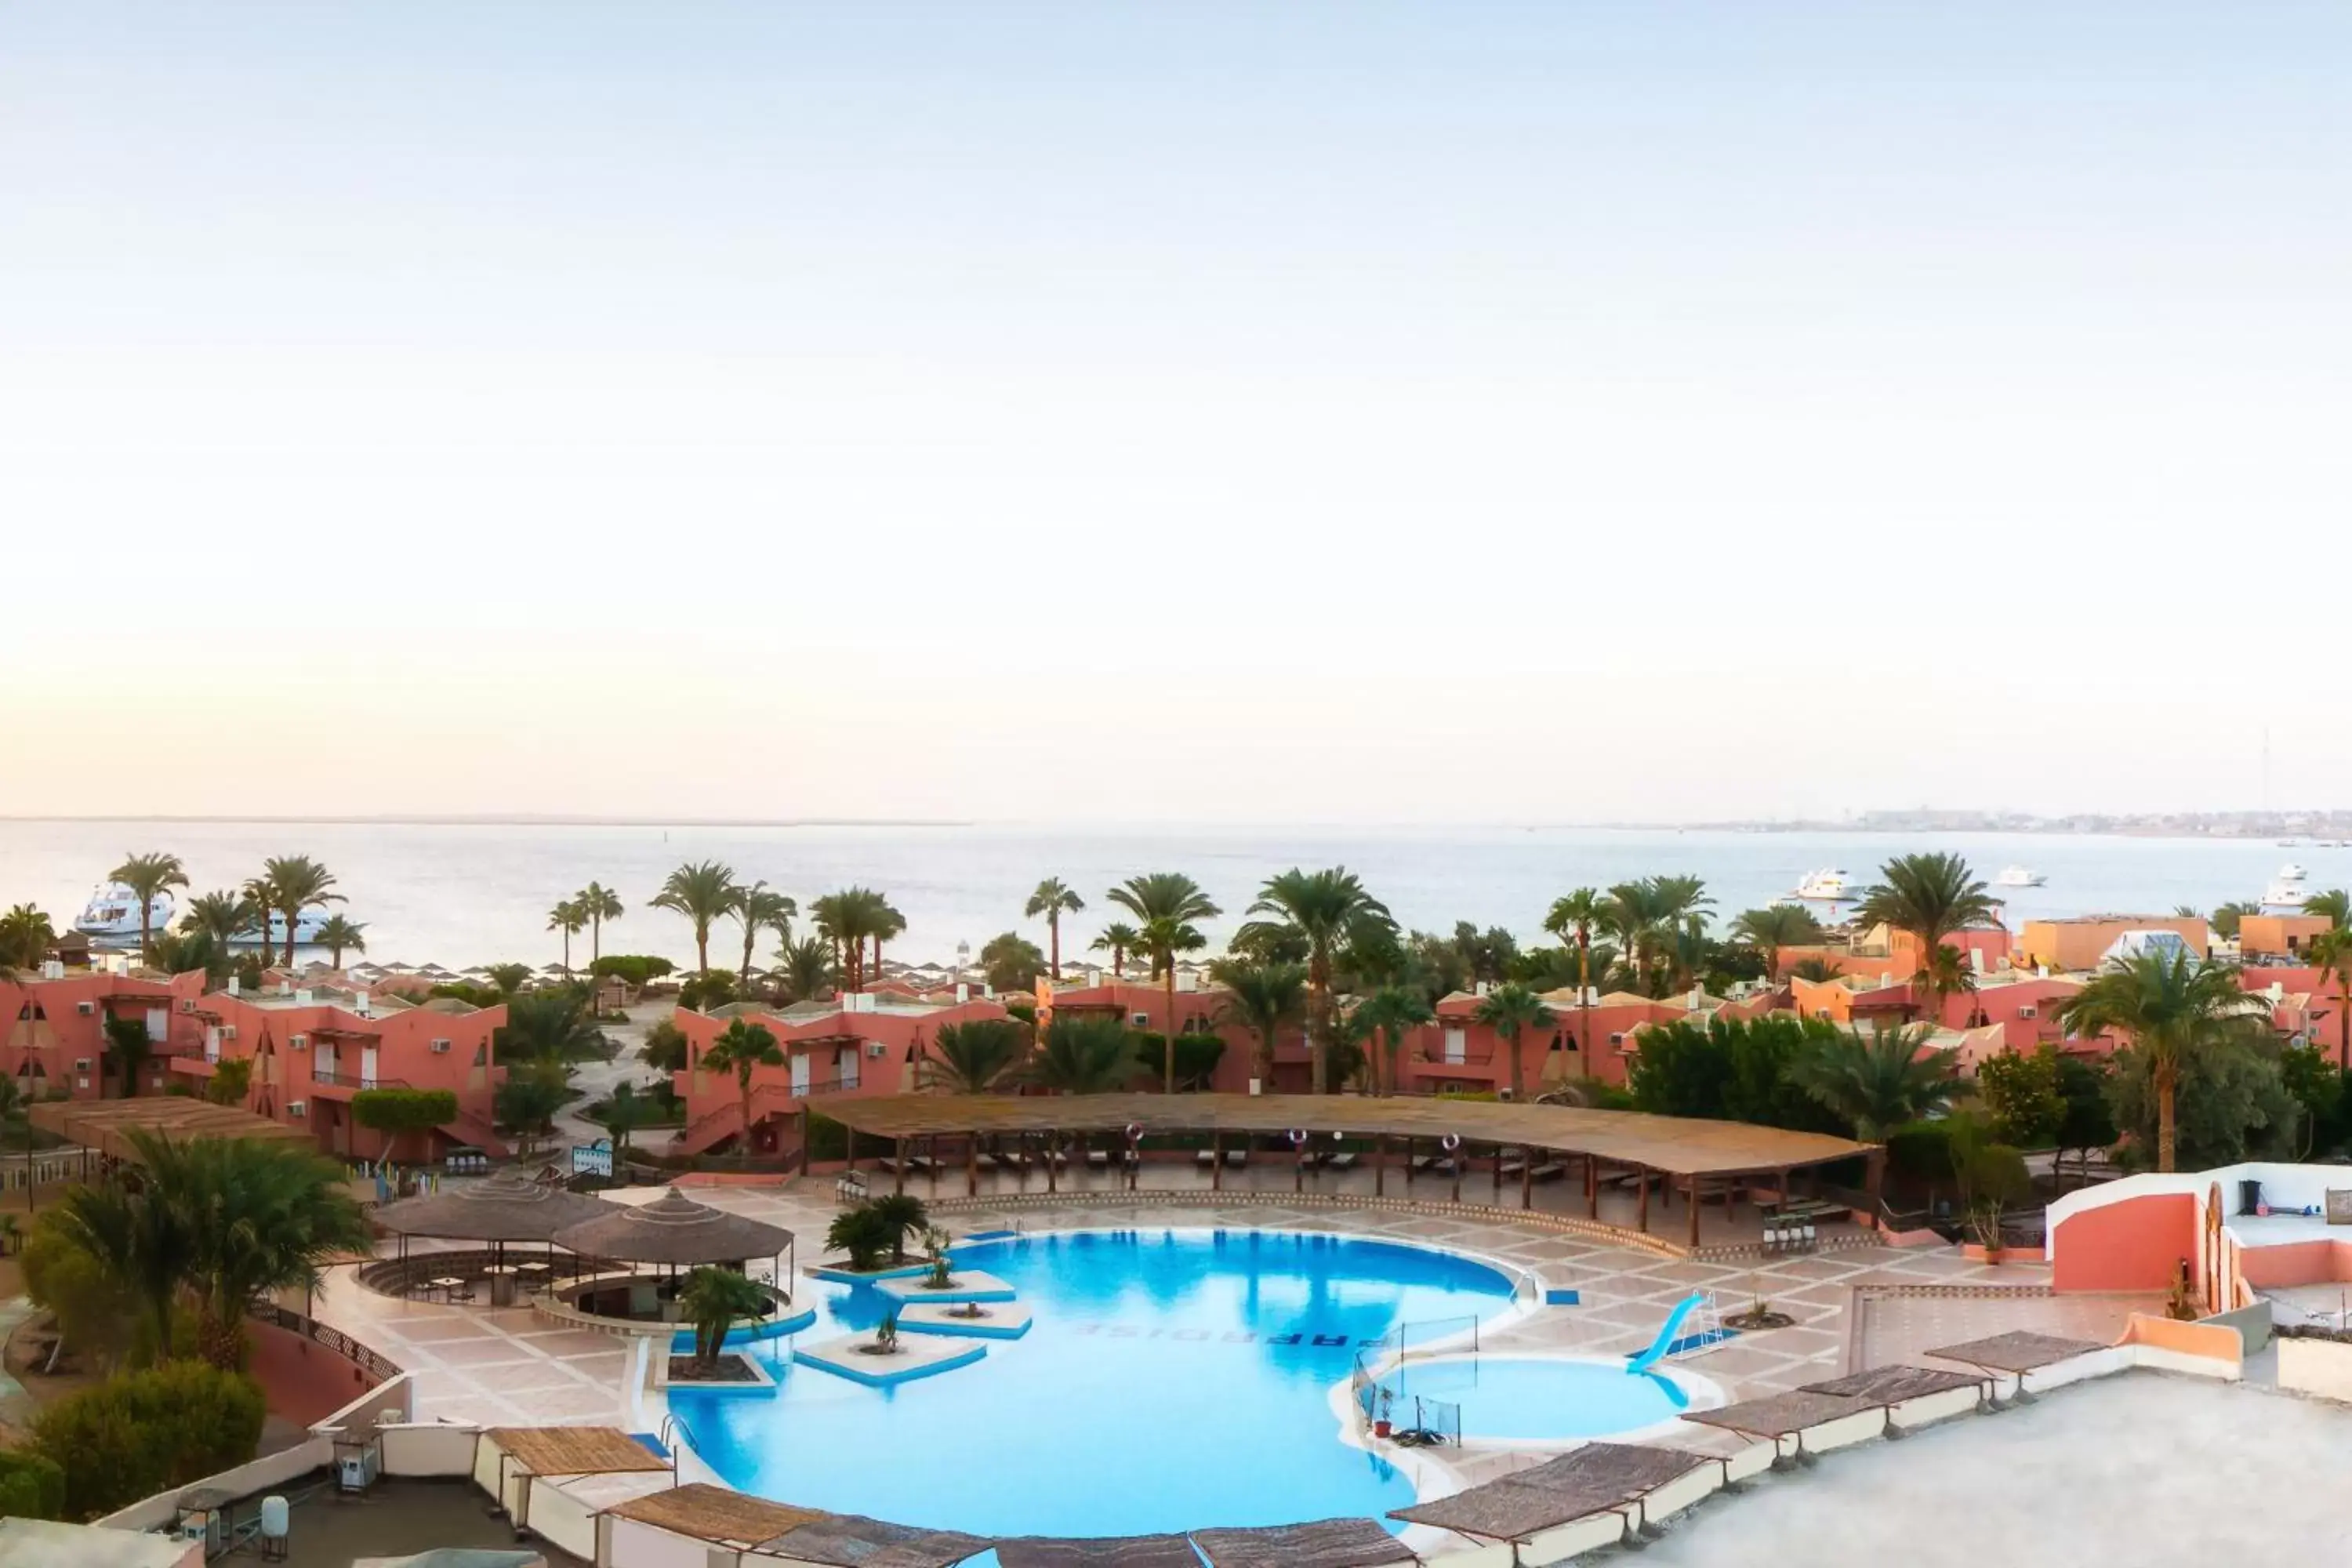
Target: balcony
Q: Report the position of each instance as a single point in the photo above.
(344, 1083)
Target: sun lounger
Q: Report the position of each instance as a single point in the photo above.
(1550, 1171)
(1514, 1166)
(1097, 1160)
(1344, 1160)
(1237, 1157)
(1205, 1158)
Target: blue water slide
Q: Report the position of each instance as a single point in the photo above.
(1669, 1333)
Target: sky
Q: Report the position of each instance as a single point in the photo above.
(1365, 413)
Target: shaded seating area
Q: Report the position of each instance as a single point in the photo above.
(1325, 1543)
(1912, 1395)
(671, 1233)
(1593, 1496)
(1799, 1423)
(508, 1209)
(1107, 1552)
(853, 1541)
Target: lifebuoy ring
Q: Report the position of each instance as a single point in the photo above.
(1135, 1131)
(1297, 1136)
(1451, 1141)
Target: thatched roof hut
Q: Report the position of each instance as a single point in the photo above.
(508, 1206)
(675, 1230)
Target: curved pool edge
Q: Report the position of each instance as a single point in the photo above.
(1704, 1393)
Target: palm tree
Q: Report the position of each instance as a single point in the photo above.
(1947, 973)
(257, 1216)
(288, 885)
(599, 904)
(702, 891)
(1879, 1081)
(2226, 918)
(2171, 1008)
(1052, 900)
(807, 968)
(1578, 915)
(138, 1243)
(1933, 898)
(26, 937)
(1323, 907)
(742, 1047)
(1263, 999)
(1767, 930)
(713, 1300)
(1508, 1010)
(146, 876)
(1166, 902)
(761, 909)
(2335, 904)
(223, 915)
(570, 919)
(975, 1057)
(1084, 1054)
(336, 933)
(508, 979)
(2330, 952)
(1011, 962)
(126, 1041)
(1119, 939)
(852, 917)
(1393, 1010)
(556, 1025)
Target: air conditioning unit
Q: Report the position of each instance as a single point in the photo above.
(81, 1064)
(85, 1008)
(440, 1048)
(187, 1004)
(2029, 1012)
(228, 1032)
(1141, 1020)
(296, 1109)
(298, 1043)
(875, 1049)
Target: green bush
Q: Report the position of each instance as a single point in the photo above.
(404, 1109)
(636, 968)
(1921, 1151)
(142, 1432)
(705, 991)
(31, 1487)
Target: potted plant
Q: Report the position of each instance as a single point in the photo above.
(1383, 1401)
(937, 1241)
(885, 1335)
(713, 1299)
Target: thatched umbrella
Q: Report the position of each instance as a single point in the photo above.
(508, 1206)
(675, 1231)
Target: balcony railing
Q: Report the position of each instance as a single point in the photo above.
(331, 1078)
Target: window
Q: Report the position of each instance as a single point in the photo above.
(296, 1109)
(1142, 1020)
(1457, 1046)
(2029, 1011)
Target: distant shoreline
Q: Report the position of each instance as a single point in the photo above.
(399, 819)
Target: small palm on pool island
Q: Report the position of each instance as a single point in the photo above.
(1211, 1368)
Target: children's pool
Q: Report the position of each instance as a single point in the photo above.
(1537, 1399)
(1173, 1379)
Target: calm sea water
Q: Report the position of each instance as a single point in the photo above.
(457, 895)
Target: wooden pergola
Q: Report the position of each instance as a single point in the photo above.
(105, 1125)
(1669, 1150)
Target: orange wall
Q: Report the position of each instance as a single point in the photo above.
(2081, 944)
(2296, 1263)
(2134, 1245)
(2274, 935)
(41, 1022)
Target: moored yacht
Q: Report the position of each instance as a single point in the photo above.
(2019, 877)
(113, 914)
(1827, 885)
(2286, 889)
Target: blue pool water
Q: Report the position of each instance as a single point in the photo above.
(1174, 1380)
(1535, 1398)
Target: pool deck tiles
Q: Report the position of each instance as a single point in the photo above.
(999, 1320)
(917, 1355)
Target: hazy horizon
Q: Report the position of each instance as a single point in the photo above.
(1377, 414)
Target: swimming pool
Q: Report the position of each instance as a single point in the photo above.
(1175, 1378)
(1544, 1399)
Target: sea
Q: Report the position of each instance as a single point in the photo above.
(461, 894)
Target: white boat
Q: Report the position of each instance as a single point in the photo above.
(2018, 876)
(113, 912)
(305, 931)
(1827, 885)
(2286, 889)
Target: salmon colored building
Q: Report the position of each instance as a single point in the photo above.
(1888, 956)
(314, 1049)
(1200, 1010)
(2264, 937)
(1459, 1054)
(861, 1043)
(2080, 942)
(55, 1046)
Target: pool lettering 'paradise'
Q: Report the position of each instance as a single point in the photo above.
(1173, 1379)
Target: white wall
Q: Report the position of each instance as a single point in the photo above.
(431, 1448)
(560, 1519)
(631, 1543)
(2322, 1367)
(270, 1470)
